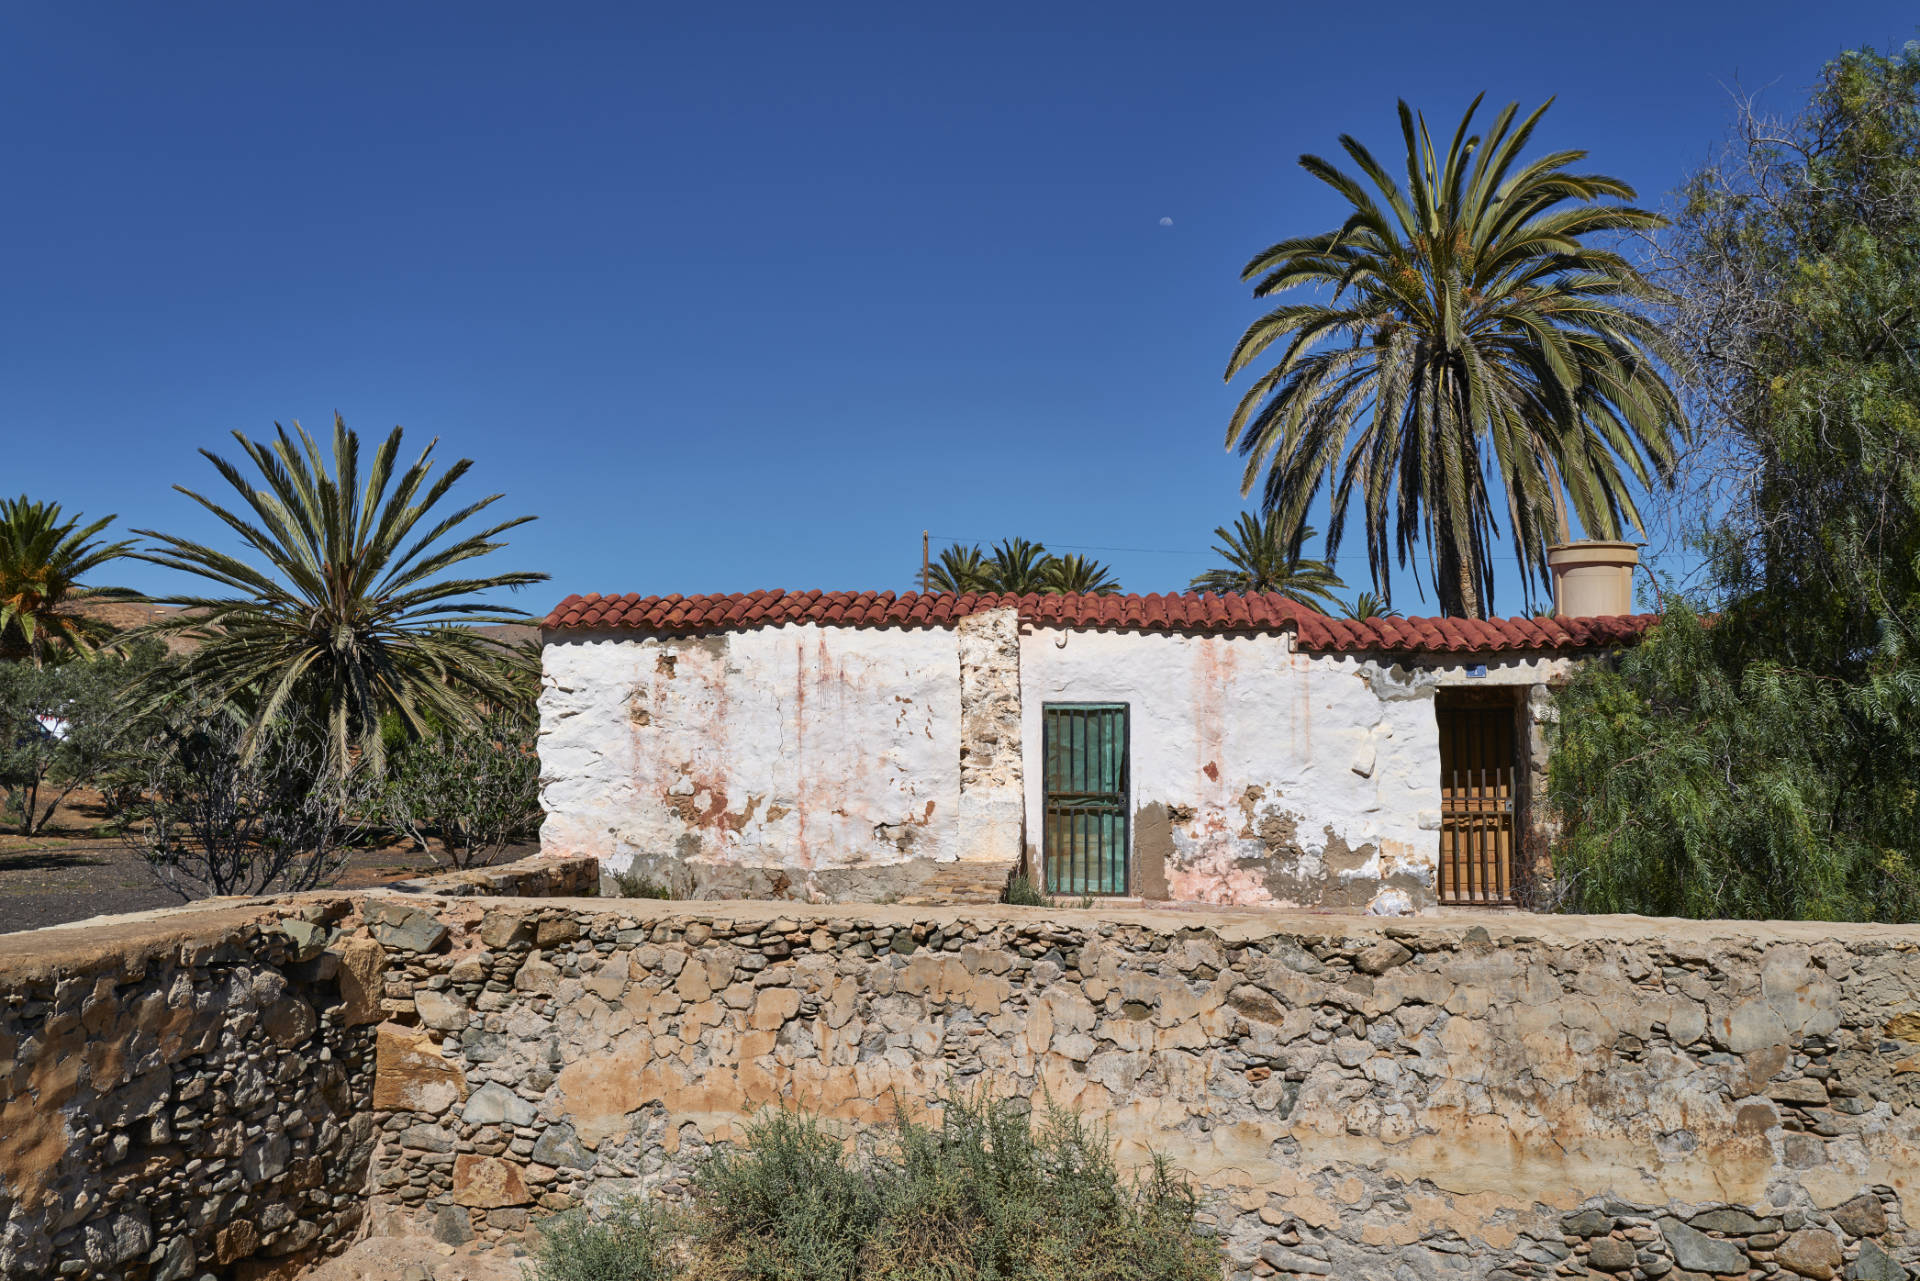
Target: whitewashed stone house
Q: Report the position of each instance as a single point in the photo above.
(1233, 749)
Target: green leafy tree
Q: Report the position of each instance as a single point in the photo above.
(476, 790)
(1763, 763)
(63, 727)
(42, 560)
(1259, 557)
(348, 607)
(1475, 315)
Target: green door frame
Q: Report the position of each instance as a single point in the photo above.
(1086, 753)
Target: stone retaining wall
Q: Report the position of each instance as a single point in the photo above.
(1461, 1097)
(1490, 1097)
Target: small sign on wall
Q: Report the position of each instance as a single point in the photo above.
(1478, 672)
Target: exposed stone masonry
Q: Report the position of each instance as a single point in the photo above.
(1593, 1097)
(231, 1091)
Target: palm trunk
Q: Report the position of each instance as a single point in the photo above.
(1455, 580)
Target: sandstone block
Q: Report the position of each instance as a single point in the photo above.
(503, 929)
(1611, 1254)
(363, 964)
(1381, 957)
(1863, 1216)
(411, 1075)
(1811, 1252)
(485, 1182)
(439, 1011)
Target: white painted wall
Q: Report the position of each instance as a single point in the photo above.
(799, 747)
(1212, 716)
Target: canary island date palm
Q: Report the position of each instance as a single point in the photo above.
(1018, 567)
(1474, 348)
(42, 559)
(1260, 559)
(1365, 606)
(1075, 573)
(959, 570)
(343, 601)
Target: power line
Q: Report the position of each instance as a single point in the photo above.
(1348, 557)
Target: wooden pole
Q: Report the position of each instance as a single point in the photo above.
(924, 570)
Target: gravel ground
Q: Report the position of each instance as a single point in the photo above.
(51, 880)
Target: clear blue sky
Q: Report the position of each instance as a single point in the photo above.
(748, 300)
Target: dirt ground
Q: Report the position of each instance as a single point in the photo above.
(77, 869)
(419, 1259)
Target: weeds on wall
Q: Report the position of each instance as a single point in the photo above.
(636, 884)
(990, 1193)
(1022, 892)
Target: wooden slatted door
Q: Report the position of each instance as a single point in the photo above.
(1477, 803)
(1085, 748)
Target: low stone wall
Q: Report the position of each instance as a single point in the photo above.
(232, 1089)
(190, 1092)
(1490, 1097)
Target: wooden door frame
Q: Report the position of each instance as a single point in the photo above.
(1506, 891)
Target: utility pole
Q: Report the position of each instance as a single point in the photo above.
(923, 560)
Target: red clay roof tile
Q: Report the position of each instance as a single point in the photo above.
(1186, 612)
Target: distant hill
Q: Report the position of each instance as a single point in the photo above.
(125, 615)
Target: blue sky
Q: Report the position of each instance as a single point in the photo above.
(748, 300)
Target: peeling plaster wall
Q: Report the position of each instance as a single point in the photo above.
(1259, 775)
(799, 761)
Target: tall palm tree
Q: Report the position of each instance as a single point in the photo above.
(1463, 320)
(1259, 558)
(42, 559)
(1075, 573)
(959, 570)
(1018, 567)
(346, 607)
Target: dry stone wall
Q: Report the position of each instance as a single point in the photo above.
(230, 1091)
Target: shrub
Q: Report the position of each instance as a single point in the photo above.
(985, 1195)
(989, 1194)
(213, 817)
(787, 1207)
(634, 883)
(635, 1243)
(476, 789)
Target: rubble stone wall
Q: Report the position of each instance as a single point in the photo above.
(1478, 1096)
(183, 1097)
(231, 1090)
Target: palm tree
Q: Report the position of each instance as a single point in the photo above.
(347, 609)
(959, 570)
(1259, 559)
(1018, 567)
(1075, 573)
(1464, 320)
(1366, 605)
(42, 559)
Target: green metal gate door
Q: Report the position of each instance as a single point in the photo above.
(1085, 747)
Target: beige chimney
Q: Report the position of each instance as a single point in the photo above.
(1592, 578)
